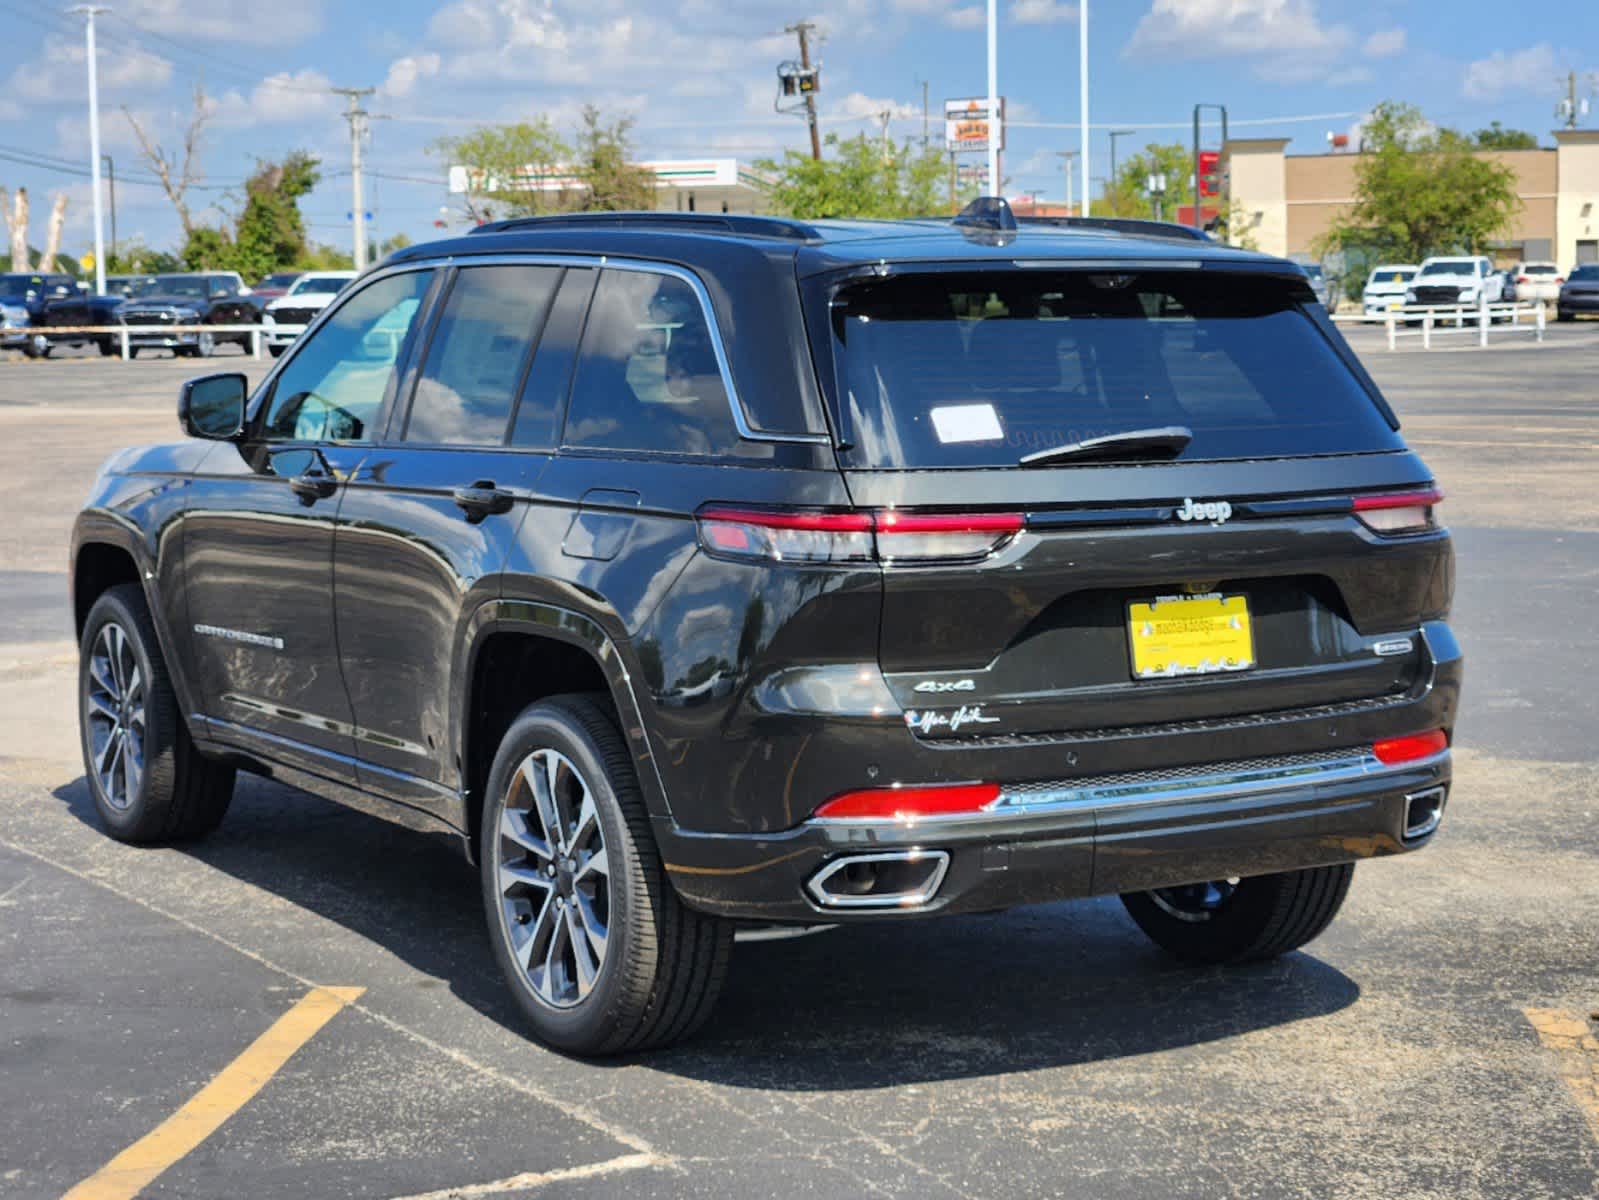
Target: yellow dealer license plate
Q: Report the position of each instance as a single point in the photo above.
(1190, 635)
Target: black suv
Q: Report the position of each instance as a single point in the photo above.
(704, 570)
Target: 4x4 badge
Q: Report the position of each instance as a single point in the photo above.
(947, 685)
(1215, 511)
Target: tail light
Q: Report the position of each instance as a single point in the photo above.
(843, 537)
(1393, 751)
(1399, 512)
(908, 803)
(1524, 279)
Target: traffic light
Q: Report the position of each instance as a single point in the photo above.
(1209, 173)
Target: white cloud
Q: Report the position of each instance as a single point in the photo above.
(1531, 70)
(968, 17)
(406, 72)
(1385, 43)
(1201, 29)
(241, 22)
(1042, 12)
(59, 75)
(281, 98)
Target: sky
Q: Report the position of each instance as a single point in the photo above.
(699, 79)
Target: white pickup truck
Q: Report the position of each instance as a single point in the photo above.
(1453, 281)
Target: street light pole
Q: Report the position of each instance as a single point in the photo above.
(1082, 94)
(995, 185)
(89, 11)
(111, 184)
(1070, 157)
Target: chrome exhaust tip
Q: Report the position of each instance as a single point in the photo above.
(1424, 812)
(899, 879)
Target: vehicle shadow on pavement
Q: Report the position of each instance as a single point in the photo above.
(858, 1007)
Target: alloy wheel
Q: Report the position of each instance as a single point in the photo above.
(554, 878)
(115, 714)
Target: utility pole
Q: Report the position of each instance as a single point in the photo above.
(1110, 185)
(803, 30)
(1071, 157)
(995, 184)
(925, 134)
(356, 116)
(885, 116)
(111, 181)
(89, 12)
(1571, 109)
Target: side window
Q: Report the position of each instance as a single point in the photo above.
(477, 354)
(647, 376)
(333, 387)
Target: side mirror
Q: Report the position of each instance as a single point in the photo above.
(212, 406)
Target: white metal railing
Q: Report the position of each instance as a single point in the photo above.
(1442, 320)
(127, 332)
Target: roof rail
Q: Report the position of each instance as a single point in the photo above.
(1136, 226)
(745, 224)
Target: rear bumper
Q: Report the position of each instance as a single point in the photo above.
(1263, 798)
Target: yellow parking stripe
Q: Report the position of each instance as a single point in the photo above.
(130, 1172)
(1573, 1040)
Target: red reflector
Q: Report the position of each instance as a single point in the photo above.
(1391, 751)
(889, 803)
(1422, 499)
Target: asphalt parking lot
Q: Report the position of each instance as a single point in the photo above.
(1436, 1043)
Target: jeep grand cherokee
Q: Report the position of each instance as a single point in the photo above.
(697, 570)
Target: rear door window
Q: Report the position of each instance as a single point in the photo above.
(647, 375)
(981, 370)
(478, 354)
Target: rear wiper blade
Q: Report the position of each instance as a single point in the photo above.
(1168, 441)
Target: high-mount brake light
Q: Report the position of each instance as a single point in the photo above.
(1398, 512)
(908, 803)
(839, 537)
(1393, 751)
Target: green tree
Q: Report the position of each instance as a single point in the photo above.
(1128, 193)
(503, 162)
(208, 249)
(322, 257)
(610, 182)
(270, 233)
(860, 178)
(1497, 137)
(133, 257)
(1421, 191)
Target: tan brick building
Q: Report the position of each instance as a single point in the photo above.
(1290, 199)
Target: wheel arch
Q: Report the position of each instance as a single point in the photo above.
(515, 653)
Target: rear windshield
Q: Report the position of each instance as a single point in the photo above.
(982, 370)
(1393, 275)
(1540, 269)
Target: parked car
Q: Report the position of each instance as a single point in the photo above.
(37, 302)
(1538, 282)
(691, 569)
(287, 316)
(1455, 282)
(1386, 286)
(1509, 289)
(207, 298)
(1579, 295)
(275, 285)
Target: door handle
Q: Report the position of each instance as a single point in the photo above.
(313, 486)
(482, 499)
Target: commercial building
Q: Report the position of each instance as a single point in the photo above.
(1286, 201)
(720, 185)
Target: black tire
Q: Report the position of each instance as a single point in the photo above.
(106, 346)
(1263, 917)
(133, 352)
(37, 346)
(275, 351)
(1565, 316)
(179, 793)
(663, 964)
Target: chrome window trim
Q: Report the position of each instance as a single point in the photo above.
(741, 420)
